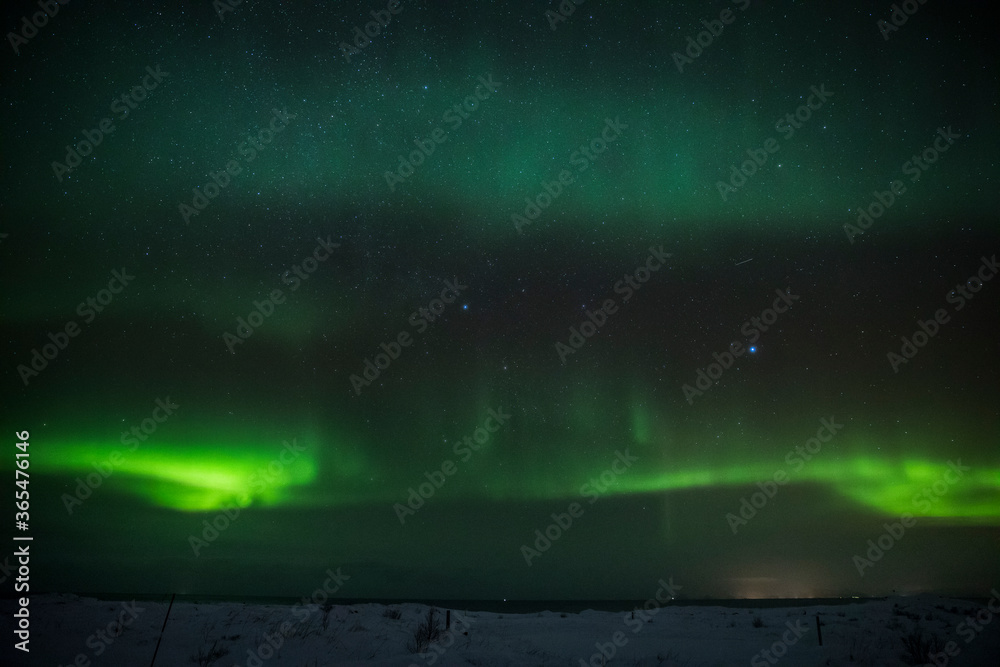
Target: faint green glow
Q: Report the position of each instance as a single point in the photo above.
(641, 428)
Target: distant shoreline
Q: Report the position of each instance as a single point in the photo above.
(519, 606)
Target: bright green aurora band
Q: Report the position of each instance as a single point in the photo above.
(187, 476)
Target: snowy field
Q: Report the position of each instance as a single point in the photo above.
(67, 630)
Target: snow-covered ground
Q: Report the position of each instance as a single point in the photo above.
(67, 630)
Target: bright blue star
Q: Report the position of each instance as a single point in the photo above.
(753, 349)
(465, 306)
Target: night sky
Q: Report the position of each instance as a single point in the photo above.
(396, 306)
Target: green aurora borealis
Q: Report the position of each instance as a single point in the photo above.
(358, 455)
(191, 477)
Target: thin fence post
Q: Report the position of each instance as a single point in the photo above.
(157, 650)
